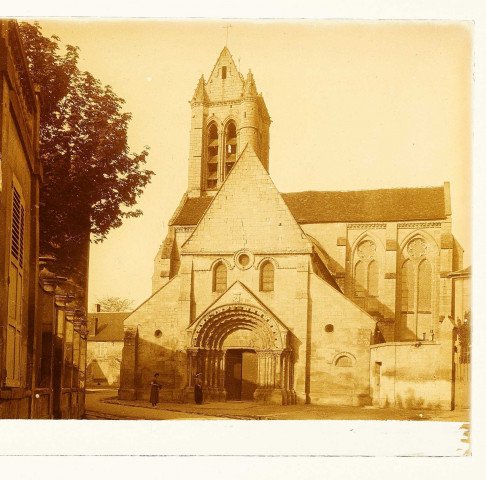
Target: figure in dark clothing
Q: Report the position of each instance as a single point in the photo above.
(198, 393)
(155, 386)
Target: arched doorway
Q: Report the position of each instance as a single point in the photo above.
(243, 353)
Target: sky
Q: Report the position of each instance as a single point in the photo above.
(354, 105)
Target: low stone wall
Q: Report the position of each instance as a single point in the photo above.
(409, 375)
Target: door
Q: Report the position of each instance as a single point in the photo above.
(249, 375)
(233, 373)
(377, 385)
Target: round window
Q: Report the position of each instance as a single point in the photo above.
(329, 328)
(158, 333)
(243, 259)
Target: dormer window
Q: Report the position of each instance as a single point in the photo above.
(223, 73)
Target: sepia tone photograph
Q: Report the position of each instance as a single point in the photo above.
(236, 220)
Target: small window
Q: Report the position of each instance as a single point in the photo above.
(329, 328)
(267, 277)
(158, 333)
(344, 361)
(220, 278)
(223, 73)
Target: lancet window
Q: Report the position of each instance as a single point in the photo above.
(212, 157)
(220, 275)
(231, 144)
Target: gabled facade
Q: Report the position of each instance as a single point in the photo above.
(291, 297)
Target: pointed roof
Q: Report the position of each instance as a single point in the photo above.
(247, 212)
(249, 89)
(200, 94)
(219, 88)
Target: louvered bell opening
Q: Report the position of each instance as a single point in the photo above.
(229, 166)
(213, 143)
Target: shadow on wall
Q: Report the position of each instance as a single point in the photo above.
(169, 363)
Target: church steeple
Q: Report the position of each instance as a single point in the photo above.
(227, 114)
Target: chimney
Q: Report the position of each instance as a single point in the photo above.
(98, 308)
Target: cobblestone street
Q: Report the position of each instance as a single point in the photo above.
(103, 404)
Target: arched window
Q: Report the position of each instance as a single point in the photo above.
(359, 280)
(230, 152)
(212, 157)
(415, 288)
(344, 361)
(219, 278)
(267, 277)
(424, 287)
(366, 273)
(408, 287)
(373, 275)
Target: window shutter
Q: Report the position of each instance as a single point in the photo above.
(18, 218)
(15, 287)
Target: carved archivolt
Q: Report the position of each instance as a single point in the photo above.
(214, 327)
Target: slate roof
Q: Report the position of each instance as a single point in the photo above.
(384, 205)
(110, 326)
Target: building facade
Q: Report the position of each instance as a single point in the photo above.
(42, 343)
(339, 298)
(104, 349)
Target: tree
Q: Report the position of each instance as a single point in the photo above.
(464, 334)
(114, 304)
(91, 179)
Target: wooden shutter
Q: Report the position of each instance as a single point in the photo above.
(16, 264)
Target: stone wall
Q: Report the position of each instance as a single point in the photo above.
(339, 341)
(410, 375)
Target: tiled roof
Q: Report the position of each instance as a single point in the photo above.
(385, 205)
(192, 210)
(110, 326)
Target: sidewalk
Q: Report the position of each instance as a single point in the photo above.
(256, 411)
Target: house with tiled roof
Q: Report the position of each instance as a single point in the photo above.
(104, 348)
(329, 297)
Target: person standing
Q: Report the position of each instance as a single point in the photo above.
(155, 386)
(198, 393)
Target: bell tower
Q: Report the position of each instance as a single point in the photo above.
(227, 113)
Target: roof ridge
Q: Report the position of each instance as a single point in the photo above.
(366, 189)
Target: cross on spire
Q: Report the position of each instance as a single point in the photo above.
(227, 32)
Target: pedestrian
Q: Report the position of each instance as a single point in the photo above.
(155, 386)
(198, 393)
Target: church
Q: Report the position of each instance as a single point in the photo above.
(320, 297)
